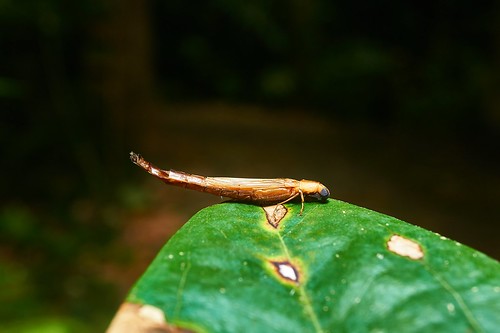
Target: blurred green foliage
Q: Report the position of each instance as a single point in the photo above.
(72, 75)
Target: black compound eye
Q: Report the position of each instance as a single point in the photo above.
(325, 193)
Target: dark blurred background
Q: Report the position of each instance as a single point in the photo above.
(393, 105)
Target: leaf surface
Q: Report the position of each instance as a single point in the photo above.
(336, 268)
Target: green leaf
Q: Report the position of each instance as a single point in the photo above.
(335, 268)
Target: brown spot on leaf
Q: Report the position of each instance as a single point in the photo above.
(274, 214)
(405, 247)
(286, 270)
(142, 319)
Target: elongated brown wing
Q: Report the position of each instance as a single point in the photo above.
(253, 189)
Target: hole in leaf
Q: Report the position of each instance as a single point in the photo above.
(274, 214)
(286, 271)
(405, 247)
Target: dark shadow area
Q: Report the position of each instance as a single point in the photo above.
(394, 106)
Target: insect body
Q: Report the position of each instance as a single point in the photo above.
(261, 191)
